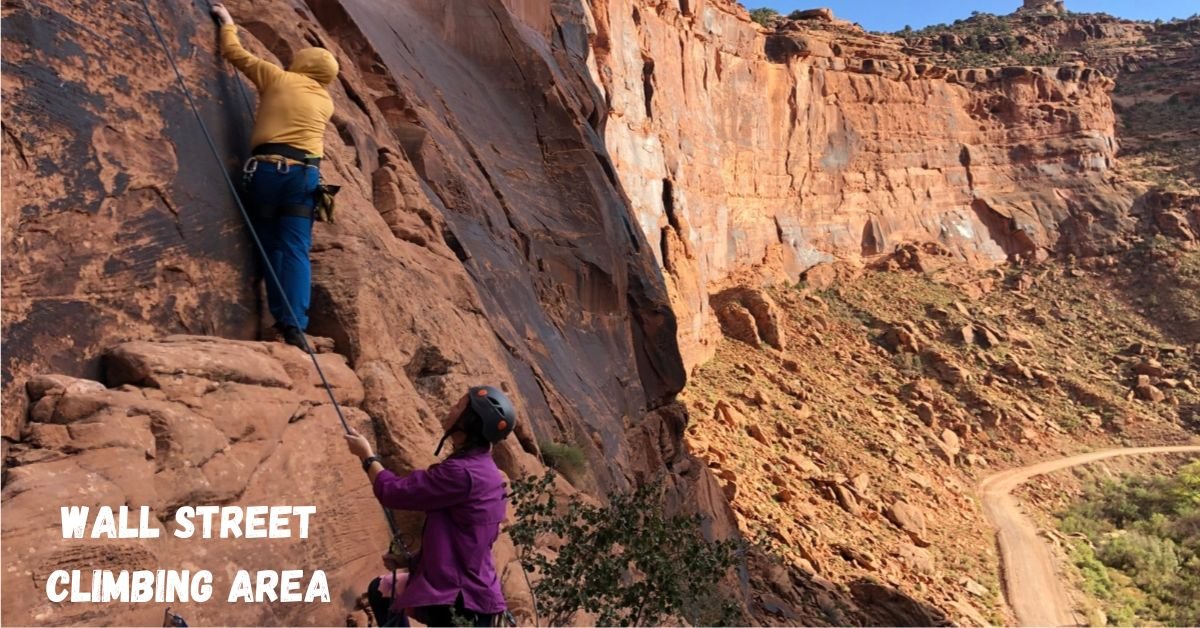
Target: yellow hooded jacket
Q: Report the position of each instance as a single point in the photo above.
(294, 105)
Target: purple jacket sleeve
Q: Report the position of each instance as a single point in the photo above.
(436, 488)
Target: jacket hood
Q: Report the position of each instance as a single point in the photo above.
(317, 64)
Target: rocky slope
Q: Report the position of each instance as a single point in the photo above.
(853, 454)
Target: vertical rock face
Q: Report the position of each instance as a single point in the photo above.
(115, 226)
(774, 153)
(484, 236)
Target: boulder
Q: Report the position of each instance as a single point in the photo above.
(947, 370)
(846, 499)
(1148, 392)
(737, 323)
(974, 588)
(751, 316)
(917, 559)
(1014, 368)
(987, 337)
(820, 14)
(756, 432)
(902, 338)
(801, 463)
(729, 415)
(925, 413)
(1149, 367)
(948, 445)
(910, 519)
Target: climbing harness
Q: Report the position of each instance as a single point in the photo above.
(272, 276)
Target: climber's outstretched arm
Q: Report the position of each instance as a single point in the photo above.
(261, 72)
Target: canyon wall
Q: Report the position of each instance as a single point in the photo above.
(755, 154)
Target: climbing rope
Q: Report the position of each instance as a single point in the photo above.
(272, 276)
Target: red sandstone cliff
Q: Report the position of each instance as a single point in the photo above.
(787, 149)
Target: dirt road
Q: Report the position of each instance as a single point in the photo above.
(1032, 582)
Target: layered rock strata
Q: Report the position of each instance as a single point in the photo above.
(752, 154)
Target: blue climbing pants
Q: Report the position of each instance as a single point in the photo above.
(283, 200)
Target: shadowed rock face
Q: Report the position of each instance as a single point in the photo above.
(482, 236)
(753, 156)
(115, 224)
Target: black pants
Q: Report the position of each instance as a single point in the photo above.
(456, 615)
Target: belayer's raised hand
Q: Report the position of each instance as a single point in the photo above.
(222, 14)
(358, 445)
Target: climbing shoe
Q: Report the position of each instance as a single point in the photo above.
(293, 336)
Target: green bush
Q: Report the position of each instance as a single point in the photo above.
(763, 15)
(625, 562)
(565, 458)
(1146, 533)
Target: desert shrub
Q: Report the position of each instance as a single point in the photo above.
(625, 561)
(565, 458)
(1145, 531)
(763, 15)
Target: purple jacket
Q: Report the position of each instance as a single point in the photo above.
(463, 498)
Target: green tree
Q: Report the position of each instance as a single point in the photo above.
(625, 561)
(1187, 488)
(763, 15)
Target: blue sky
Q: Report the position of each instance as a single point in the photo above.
(893, 15)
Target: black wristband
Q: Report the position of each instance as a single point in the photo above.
(370, 460)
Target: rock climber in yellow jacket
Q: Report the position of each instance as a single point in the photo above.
(283, 175)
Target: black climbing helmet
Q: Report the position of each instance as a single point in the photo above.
(496, 413)
(489, 413)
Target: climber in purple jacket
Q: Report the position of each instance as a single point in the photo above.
(463, 498)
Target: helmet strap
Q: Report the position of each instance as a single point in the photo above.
(455, 428)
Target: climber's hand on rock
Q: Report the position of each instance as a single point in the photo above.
(358, 445)
(222, 14)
